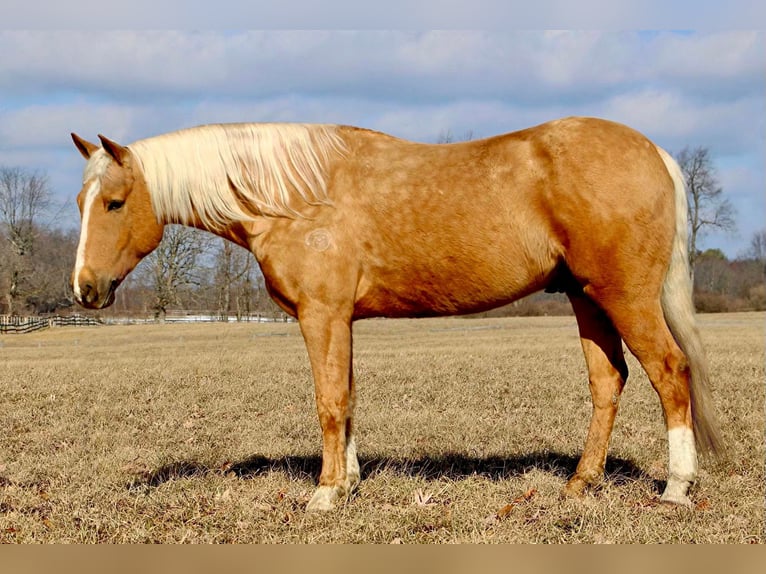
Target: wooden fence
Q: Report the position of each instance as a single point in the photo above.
(17, 324)
(196, 316)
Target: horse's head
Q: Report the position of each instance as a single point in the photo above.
(119, 226)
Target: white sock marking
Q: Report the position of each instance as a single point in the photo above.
(352, 463)
(682, 462)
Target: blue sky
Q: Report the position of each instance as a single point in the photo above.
(679, 88)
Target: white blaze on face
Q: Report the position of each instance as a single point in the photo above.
(90, 197)
(95, 169)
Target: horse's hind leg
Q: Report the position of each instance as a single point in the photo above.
(607, 373)
(641, 323)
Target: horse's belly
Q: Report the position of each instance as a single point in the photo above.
(425, 294)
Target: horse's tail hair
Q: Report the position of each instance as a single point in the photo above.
(678, 308)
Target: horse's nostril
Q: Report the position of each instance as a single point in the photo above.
(87, 292)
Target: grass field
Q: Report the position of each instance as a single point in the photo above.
(467, 431)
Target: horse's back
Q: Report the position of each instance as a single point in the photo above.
(589, 162)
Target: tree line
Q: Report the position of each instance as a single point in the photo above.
(194, 270)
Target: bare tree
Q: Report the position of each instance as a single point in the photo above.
(233, 279)
(175, 266)
(238, 284)
(54, 257)
(446, 136)
(712, 274)
(24, 196)
(757, 249)
(709, 210)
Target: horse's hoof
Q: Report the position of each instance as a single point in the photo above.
(683, 501)
(325, 498)
(676, 499)
(575, 488)
(676, 493)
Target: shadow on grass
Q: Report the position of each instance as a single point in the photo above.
(453, 466)
(168, 472)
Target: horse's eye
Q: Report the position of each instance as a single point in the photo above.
(114, 205)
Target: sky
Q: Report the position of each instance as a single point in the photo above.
(684, 88)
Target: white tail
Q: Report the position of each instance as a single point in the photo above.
(678, 307)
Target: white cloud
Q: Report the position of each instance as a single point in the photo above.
(45, 126)
(721, 55)
(524, 67)
(675, 120)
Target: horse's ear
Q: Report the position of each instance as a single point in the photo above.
(119, 153)
(86, 148)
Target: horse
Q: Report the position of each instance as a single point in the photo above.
(348, 223)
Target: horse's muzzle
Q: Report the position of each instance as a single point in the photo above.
(94, 294)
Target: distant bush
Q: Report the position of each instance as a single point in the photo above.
(536, 305)
(712, 303)
(721, 285)
(757, 297)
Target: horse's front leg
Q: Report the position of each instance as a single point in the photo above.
(328, 340)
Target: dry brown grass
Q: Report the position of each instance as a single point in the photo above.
(467, 430)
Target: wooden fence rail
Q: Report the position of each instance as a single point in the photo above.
(18, 325)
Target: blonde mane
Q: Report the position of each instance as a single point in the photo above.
(224, 173)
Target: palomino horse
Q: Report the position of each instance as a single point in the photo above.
(348, 223)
